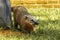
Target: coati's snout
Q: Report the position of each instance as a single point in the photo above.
(31, 19)
(35, 22)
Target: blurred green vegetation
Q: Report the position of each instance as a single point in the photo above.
(48, 28)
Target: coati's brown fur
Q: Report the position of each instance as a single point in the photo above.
(24, 19)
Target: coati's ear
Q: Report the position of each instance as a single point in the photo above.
(26, 16)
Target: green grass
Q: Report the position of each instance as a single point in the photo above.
(48, 28)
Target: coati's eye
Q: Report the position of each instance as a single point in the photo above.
(34, 22)
(31, 19)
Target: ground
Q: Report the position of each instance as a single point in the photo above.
(48, 28)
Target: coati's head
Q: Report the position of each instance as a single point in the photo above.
(29, 23)
(31, 20)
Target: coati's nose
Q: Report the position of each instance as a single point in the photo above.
(36, 23)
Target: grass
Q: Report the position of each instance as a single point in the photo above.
(48, 28)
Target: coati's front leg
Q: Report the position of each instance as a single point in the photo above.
(24, 29)
(15, 24)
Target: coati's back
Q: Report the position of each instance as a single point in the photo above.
(19, 11)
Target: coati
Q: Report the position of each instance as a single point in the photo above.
(24, 19)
